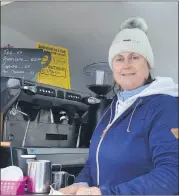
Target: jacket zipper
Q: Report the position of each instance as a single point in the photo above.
(100, 141)
(97, 151)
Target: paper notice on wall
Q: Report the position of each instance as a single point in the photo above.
(57, 72)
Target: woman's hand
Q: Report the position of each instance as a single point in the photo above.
(89, 191)
(72, 189)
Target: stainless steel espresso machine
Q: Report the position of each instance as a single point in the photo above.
(50, 122)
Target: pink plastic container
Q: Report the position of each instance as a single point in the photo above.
(13, 187)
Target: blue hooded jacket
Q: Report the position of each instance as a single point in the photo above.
(138, 153)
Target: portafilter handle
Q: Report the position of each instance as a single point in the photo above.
(91, 100)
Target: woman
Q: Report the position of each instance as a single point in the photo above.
(134, 148)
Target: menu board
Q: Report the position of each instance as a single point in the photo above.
(23, 62)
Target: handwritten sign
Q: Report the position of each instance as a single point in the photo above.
(22, 62)
(57, 72)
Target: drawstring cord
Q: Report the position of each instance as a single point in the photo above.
(128, 128)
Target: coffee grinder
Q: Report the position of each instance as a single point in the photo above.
(99, 80)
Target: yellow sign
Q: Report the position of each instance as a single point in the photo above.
(57, 72)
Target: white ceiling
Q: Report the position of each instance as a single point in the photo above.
(88, 28)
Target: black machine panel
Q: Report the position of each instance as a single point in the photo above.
(46, 91)
(73, 96)
(58, 96)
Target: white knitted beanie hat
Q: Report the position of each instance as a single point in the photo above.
(132, 38)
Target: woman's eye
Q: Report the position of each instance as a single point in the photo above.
(135, 57)
(119, 60)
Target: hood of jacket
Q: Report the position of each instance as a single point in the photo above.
(161, 85)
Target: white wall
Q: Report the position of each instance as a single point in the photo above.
(15, 38)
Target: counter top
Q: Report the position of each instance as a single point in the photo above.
(57, 150)
(38, 194)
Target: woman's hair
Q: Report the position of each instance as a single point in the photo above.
(149, 80)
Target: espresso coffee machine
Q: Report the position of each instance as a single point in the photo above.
(50, 122)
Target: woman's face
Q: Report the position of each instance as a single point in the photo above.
(130, 70)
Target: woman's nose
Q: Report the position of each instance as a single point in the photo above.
(126, 63)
